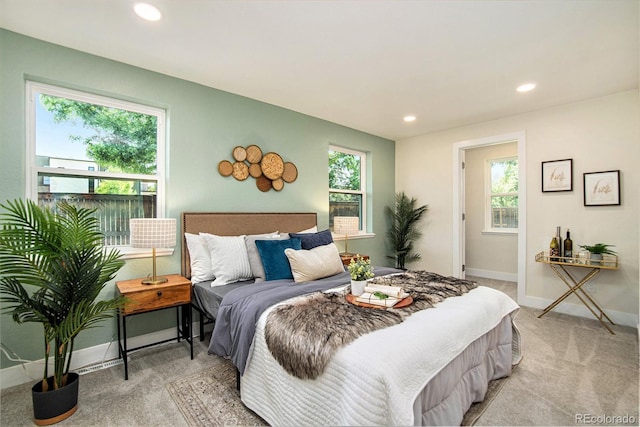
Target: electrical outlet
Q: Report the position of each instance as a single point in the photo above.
(590, 287)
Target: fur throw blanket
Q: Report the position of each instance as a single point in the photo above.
(304, 334)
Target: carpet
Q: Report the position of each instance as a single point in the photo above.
(210, 398)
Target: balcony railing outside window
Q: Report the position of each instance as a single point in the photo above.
(113, 211)
(505, 217)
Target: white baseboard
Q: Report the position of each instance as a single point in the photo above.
(488, 274)
(32, 371)
(618, 317)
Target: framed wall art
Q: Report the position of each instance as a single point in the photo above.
(557, 175)
(602, 188)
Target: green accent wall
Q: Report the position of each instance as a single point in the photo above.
(203, 126)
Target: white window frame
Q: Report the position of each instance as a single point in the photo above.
(488, 213)
(35, 88)
(363, 186)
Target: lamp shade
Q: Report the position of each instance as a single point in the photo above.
(152, 232)
(347, 225)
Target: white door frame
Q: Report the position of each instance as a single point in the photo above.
(458, 201)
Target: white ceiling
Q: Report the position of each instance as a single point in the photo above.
(364, 64)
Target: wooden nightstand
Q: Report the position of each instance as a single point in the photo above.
(346, 258)
(176, 292)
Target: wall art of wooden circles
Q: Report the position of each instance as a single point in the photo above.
(263, 183)
(272, 165)
(240, 154)
(240, 171)
(269, 170)
(277, 184)
(290, 172)
(254, 154)
(225, 168)
(255, 170)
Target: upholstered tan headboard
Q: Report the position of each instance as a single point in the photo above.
(234, 224)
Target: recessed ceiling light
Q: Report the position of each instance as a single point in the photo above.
(147, 11)
(526, 87)
(409, 118)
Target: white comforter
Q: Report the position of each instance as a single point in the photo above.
(375, 379)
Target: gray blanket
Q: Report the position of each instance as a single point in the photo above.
(240, 309)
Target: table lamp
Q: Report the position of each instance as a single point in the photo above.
(347, 225)
(153, 233)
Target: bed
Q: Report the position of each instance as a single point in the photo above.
(426, 370)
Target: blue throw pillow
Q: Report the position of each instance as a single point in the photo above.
(275, 262)
(313, 240)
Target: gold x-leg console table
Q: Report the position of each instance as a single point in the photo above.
(559, 266)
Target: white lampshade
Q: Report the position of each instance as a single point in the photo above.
(347, 225)
(152, 232)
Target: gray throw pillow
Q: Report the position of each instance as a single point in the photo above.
(257, 269)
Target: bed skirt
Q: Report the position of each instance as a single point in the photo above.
(464, 381)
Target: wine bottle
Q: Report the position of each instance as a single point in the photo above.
(559, 237)
(554, 249)
(568, 245)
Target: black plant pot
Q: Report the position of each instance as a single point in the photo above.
(53, 406)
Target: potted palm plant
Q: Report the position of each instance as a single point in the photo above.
(53, 266)
(403, 229)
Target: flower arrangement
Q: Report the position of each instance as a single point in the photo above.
(360, 268)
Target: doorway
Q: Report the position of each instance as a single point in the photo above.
(459, 227)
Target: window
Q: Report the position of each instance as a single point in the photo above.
(502, 201)
(347, 195)
(95, 152)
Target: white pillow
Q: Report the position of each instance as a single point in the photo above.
(229, 259)
(200, 258)
(316, 263)
(313, 229)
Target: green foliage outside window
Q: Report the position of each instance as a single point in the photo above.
(504, 183)
(115, 187)
(504, 193)
(344, 171)
(122, 140)
(345, 185)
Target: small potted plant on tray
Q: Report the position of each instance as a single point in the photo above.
(360, 270)
(598, 250)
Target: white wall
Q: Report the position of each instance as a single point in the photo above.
(486, 254)
(599, 134)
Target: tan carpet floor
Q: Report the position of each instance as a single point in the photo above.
(572, 367)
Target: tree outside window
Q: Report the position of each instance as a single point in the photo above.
(502, 206)
(347, 184)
